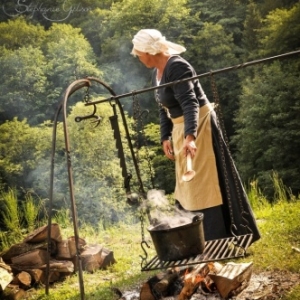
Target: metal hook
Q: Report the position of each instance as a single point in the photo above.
(97, 118)
(236, 242)
(144, 259)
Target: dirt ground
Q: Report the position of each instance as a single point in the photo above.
(262, 286)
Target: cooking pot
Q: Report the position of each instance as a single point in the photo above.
(180, 241)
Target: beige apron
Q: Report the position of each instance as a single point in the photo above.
(203, 191)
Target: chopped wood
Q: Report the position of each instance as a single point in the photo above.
(61, 266)
(231, 277)
(107, 258)
(41, 234)
(22, 248)
(33, 258)
(146, 293)
(91, 258)
(193, 279)
(72, 245)
(5, 276)
(23, 279)
(36, 275)
(63, 250)
(162, 286)
(14, 292)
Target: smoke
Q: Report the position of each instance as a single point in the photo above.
(164, 215)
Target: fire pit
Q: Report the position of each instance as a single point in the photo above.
(180, 241)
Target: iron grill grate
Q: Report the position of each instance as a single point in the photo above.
(215, 250)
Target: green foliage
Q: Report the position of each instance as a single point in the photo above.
(10, 211)
(19, 33)
(31, 209)
(280, 31)
(23, 84)
(268, 131)
(18, 217)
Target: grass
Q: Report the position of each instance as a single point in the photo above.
(280, 230)
(278, 223)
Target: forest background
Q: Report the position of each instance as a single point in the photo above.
(46, 45)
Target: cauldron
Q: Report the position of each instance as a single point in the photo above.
(178, 242)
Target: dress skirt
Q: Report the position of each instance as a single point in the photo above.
(216, 190)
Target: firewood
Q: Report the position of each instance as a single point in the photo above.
(146, 293)
(231, 277)
(91, 258)
(41, 234)
(14, 292)
(162, 286)
(192, 280)
(33, 258)
(5, 276)
(107, 258)
(36, 275)
(21, 248)
(72, 246)
(23, 279)
(54, 276)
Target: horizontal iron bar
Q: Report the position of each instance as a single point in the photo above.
(242, 65)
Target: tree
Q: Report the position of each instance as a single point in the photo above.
(280, 32)
(252, 24)
(23, 83)
(20, 33)
(268, 132)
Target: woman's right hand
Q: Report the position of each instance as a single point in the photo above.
(168, 149)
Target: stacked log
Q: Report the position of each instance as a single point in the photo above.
(23, 266)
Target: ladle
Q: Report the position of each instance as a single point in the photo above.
(190, 173)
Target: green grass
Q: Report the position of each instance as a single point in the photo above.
(280, 230)
(278, 223)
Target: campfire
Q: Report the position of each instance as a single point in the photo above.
(182, 283)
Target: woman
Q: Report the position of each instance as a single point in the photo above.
(188, 126)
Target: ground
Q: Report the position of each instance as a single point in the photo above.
(262, 286)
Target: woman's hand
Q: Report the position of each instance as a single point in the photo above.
(168, 149)
(189, 145)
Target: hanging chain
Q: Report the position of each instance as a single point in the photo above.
(138, 117)
(86, 97)
(220, 123)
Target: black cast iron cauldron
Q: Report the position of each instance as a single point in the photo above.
(179, 242)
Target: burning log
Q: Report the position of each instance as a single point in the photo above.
(162, 286)
(193, 279)
(232, 277)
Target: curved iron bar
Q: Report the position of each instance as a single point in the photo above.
(76, 85)
(73, 87)
(232, 68)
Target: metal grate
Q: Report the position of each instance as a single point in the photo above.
(215, 250)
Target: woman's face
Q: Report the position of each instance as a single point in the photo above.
(146, 58)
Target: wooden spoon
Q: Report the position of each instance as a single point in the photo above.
(190, 173)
